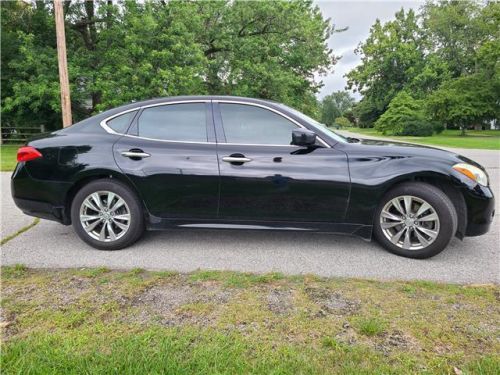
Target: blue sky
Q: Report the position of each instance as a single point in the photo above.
(359, 16)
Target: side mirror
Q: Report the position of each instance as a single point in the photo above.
(303, 137)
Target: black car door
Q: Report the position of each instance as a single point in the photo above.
(264, 178)
(169, 154)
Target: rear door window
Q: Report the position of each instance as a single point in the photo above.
(174, 122)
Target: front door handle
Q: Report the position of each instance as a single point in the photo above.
(133, 154)
(236, 159)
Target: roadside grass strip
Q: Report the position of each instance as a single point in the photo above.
(99, 321)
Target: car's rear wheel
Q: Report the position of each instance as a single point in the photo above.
(107, 215)
(415, 220)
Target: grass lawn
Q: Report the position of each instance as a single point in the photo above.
(98, 321)
(481, 139)
(8, 154)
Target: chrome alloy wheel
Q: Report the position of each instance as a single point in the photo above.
(105, 216)
(409, 222)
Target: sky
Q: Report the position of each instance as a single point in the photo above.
(359, 16)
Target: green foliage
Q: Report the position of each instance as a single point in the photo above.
(335, 105)
(438, 127)
(343, 122)
(417, 127)
(447, 57)
(392, 56)
(405, 116)
(465, 100)
(124, 51)
(366, 112)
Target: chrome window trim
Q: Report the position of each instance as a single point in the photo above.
(104, 125)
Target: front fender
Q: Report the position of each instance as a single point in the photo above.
(372, 177)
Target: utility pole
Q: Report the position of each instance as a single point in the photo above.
(63, 64)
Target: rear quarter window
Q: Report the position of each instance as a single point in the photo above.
(121, 123)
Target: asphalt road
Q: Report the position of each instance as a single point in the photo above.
(51, 245)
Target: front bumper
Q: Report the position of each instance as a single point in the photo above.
(480, 203)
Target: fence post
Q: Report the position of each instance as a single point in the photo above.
(42, 128)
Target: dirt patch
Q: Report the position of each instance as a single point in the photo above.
(332, 302)
(386, 343)
(171, 304)
(396, 341)
(280, 301)
(7, 326)
(399, 340)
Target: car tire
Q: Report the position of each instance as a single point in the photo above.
(107, 204)
(427, 237)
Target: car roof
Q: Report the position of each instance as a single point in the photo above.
(194, 97)
(133, 105)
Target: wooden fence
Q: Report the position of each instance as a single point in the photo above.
(11, 135)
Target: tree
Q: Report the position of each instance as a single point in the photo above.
(434, 56)
(366, 112)
(343, 122)
(455, 30)
(465, 101)
(405, 116)
(268, 50)
(124, 51)
(471, 98)
(30, 87)
(392, 56)
(335, 105)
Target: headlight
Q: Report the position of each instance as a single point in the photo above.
(474, 173)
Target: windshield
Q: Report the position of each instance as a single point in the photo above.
(316, 124)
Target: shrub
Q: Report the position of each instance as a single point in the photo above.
(343, 122)
(404, 116)
(438, 127)
(416, 127)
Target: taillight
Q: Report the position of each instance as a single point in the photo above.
(28, 153)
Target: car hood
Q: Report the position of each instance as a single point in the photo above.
(395, 148)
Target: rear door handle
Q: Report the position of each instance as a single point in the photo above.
(135, 154)
(236, 159)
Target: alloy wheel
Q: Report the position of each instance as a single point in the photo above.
(409, 222)
(105, 216)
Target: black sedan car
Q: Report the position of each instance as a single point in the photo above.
(232, 162)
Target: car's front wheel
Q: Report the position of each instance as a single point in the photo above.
(107, 215)
(415, 220)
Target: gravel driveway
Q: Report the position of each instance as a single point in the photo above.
(51, 245)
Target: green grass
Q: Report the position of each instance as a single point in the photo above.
(8, 154)
(370, 326)
(479, 139)
(207, 322)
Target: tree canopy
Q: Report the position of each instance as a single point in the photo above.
(446, 57)
(335, 105)
(121, 51)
